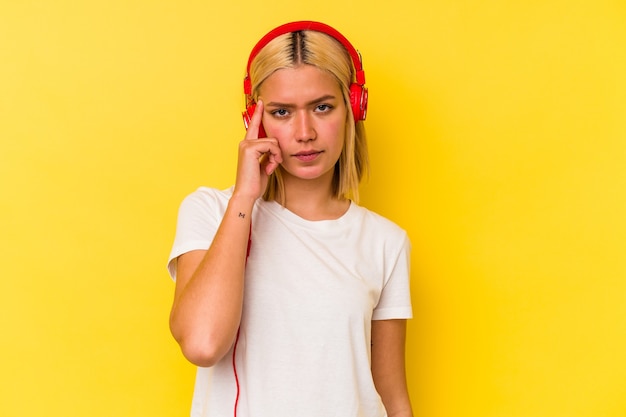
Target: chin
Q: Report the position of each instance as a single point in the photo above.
(313, 173)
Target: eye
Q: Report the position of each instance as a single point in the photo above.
(323, 108)
(280, 113)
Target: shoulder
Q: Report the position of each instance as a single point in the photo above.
(204, 195)
(205, 198)
(203, 205)
(380, 230)
(376, 221)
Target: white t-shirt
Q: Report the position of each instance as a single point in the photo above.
(312, 289)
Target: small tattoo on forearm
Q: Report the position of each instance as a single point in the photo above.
(242, 215)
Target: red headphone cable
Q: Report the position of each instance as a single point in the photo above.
(235, 372)
(237, 337)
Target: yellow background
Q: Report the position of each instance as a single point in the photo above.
(498, 141)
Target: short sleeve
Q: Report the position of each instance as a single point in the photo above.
(198, 219)
(395, 298)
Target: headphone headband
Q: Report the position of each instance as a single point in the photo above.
(306, 25)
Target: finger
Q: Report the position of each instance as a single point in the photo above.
(271, 167)
(272, 161)
(255, 122)
(264, 150)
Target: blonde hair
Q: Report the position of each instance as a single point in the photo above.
(326, 53)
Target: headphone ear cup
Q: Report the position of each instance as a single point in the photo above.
(247, 117)
(358, 101)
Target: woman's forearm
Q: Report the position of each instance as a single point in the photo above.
(207, 305)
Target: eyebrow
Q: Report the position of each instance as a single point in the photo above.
(315, 101)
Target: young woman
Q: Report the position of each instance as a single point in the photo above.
(290, 298)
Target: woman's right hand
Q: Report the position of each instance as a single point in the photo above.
(258, 158)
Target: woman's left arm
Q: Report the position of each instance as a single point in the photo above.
(388, 366)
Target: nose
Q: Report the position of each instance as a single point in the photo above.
(304, 129)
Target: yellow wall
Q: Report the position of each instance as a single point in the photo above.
(498, 137)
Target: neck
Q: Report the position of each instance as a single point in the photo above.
(313, 200)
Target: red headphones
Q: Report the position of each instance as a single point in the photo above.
(358, 91)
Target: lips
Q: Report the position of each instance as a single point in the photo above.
(307, 156)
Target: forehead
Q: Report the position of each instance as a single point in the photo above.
(301, 82)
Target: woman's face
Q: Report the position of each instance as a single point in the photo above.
(305, 111)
